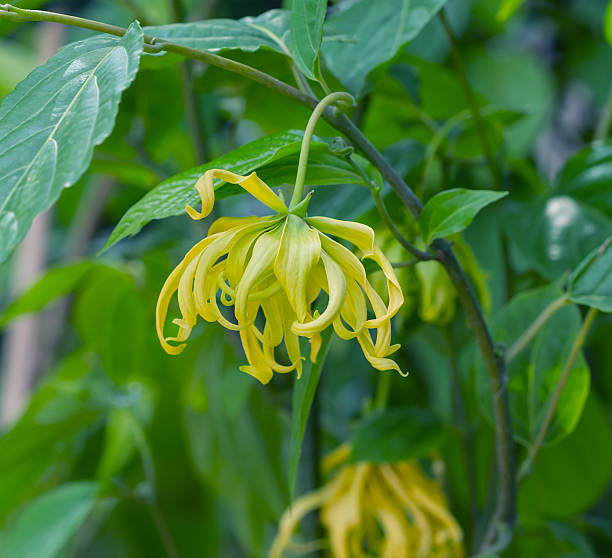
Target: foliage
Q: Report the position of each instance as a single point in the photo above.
(479, 153)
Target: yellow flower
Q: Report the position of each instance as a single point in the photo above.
(390, 510)
(272, 269)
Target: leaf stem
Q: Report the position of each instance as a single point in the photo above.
(472, 102)
(534, 328)
(328, 100)
(550, 413)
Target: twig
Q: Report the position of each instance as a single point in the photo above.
(473, 104)
(550, 413)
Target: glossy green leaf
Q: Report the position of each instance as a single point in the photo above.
(306, 24)
(172, 195)
(587, 177)
(45, 526)
(553, 236)
(591, 283)
(396, 435)
(569, 477)
(71, 103)
(54, 283)
(378, 31)
(304, 391)
(534, 373)
(451, 211)
(269, 30)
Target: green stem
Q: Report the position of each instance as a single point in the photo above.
(533, 329)
(550, 413)
(298, 189)
(472, 102)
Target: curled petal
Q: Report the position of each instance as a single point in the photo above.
(252, 184)
(336, 288)
(170, 286)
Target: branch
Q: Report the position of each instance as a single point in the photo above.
(504, 515)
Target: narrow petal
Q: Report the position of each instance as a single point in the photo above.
(170, 286)
(299, 251)
(362, 236)
(251, 184)
(336, 288)
(294, 514)
(260, 265)
(223, 224)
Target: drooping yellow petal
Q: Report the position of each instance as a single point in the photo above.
(223, 224)
(170, 286)
(260, 265)
(251, 184)
(258, 364)
(362, 236)
(294, 514)
(299, 251)
(336, 289)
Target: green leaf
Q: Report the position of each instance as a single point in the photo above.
(507, 8)
(306, 24)
(533, 374)
(587, 177)
(269, 30)
(569, 477)
(45, 526)
(396, 435)
(54, 283)
(453, 210)
(50, 124)
(172, 195)
(379, 30)
(553, 236)
(591, 283)
(304, 391)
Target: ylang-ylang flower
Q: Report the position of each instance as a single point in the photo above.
(382, 510)
(271, 270)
